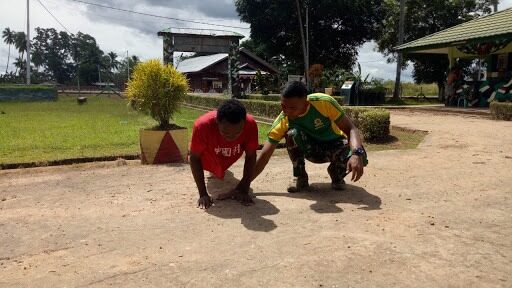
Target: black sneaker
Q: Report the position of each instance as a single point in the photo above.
(338, 185)
(298, 184)
(337, 182)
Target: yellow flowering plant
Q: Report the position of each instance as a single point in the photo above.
(157, 90)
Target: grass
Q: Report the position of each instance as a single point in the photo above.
(412, 101)
(44, 131)
(399, 139)
(413, 89)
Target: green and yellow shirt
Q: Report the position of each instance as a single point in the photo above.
(319, 120)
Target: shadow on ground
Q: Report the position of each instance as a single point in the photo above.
(251, 217)
(326, 199)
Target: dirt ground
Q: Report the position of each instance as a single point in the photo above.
(437, 216)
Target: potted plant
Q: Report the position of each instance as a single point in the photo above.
(158, 90)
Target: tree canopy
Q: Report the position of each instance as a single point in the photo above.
(337, 28)
(425, 17)
(62, 57)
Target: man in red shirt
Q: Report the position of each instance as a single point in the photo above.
(218, 140)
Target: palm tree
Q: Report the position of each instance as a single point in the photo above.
(135, 59)
(114, 63)
(20, 42)
(20, 64)
(8, 36)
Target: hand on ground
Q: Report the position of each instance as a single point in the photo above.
(205, 202)
(355, 165)
(235, 194)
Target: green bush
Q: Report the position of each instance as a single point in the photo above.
(501, 110)
(373, 123)
(268, 109)
(277, 98)
(274, 97)
(158, 90)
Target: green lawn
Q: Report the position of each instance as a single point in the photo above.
(400, 139)
(412, 101)
(42, 131)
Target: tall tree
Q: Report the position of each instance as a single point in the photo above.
(87, 52)
(52, 51)
(8, 36)
(20, 42)
(337, 29)
(425, 17)
(114, 63)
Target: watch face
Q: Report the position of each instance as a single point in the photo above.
(359, 151)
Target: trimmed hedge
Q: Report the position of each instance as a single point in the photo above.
(27, 93)
(267, 109)
(277, 98)
(501, 110)
(373, 122)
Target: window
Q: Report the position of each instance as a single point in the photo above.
(217, 84)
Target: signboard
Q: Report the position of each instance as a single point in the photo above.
(299, 78)
(347, 85)
(188, 43)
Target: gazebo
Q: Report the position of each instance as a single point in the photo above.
(488, 38)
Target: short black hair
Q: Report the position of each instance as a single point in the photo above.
(232, 111)
(295, 89)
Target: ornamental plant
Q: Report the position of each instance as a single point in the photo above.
(157, 90)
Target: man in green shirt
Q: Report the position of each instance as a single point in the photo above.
(315, 128)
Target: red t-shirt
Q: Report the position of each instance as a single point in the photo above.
(218, 154)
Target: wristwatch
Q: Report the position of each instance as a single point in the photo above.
(359, 152)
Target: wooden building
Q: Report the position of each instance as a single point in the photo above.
(209, 74)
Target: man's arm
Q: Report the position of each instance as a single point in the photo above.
(249, 166)
(197, 171)
(346, 125)
(263, 158)
(241, 192)
(355, 164)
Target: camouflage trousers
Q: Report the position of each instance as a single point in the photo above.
(301, 146)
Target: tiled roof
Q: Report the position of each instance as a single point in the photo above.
(197, 64)
(493, 26)
(204, 32)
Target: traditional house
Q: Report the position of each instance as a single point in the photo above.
(209, 74)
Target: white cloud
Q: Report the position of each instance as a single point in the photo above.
(114, 31)
(119, 31)
(374, 63)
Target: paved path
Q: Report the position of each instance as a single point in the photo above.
(437, 216)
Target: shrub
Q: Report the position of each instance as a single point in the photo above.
(157, 90)
(277, 98)
(274, 97)
(373, 123)
(501, 110)
(268, 109)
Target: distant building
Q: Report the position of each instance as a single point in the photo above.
(209, 74)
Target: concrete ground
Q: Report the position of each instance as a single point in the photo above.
(437, 216)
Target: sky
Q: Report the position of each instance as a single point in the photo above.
(121, 32)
